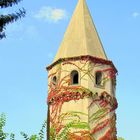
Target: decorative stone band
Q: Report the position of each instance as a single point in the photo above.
(85, 57)
(67, 96)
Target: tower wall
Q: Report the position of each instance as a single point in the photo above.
(83, 111)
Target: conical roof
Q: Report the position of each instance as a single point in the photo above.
(81, 37)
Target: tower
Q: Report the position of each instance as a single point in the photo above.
(81, 84)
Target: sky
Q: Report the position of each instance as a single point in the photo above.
(32, 43)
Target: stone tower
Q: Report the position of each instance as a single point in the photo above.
(81, 84)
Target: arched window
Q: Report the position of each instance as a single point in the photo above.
(98, 78)
(54, 80)
(74, 77)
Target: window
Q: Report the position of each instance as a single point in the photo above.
(74, 77)
(98, 78)
(54, 80)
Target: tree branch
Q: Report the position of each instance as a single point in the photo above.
(6, 19)
(8, 3)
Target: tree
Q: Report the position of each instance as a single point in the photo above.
(38, 136)
(4, 135)
(9, 18)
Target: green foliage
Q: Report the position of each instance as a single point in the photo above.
(52, 133)
(9, 18)
(98, 115)
(73, 119)
(12, 136)
(40, 135)
(3, 135)
(25, 136)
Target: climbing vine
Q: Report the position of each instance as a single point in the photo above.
(70, 125)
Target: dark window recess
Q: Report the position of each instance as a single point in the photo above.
(54, 79)
(98, 78)
(74, 77)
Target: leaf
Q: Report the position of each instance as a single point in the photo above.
(80, 125)
(98, 115)
(25, 136)
(12, 136)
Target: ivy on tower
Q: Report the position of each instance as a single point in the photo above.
(81, 82)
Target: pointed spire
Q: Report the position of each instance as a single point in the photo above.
(81, 37)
